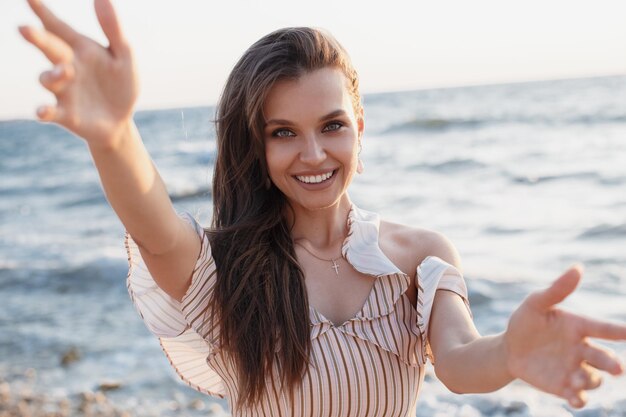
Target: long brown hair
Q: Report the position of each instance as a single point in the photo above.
(259, 302)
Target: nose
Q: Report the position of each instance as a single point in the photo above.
(312, 152)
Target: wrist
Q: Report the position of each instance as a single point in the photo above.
(114, 138)
(504, 351)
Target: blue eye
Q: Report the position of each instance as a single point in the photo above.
(282, 133)
(332, 126)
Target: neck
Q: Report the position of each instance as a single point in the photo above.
(322, 229)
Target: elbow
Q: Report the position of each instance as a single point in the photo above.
(460, 383)
(454, 376)
(449, 381)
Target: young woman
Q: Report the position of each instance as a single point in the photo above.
(295, 301)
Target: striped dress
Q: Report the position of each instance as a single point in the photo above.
(370, 365)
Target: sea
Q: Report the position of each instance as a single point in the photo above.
(525, 179)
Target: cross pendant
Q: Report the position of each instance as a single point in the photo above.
(335, 267)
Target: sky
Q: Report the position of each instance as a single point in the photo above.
(185, 49)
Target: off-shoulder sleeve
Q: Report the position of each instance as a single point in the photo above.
(184, 328)
(435, 274)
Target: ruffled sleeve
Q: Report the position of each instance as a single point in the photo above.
(435, 274)
(184, 329)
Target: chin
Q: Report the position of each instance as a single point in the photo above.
(315, 205)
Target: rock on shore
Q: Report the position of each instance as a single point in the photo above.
(18, 401)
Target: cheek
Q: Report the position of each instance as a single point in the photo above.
(351, 149)
(276, 159)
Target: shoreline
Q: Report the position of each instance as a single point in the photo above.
(22, 397)
(18, 399)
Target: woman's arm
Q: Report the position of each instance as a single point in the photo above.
(95, 90)
(465, 361)
(543, 345)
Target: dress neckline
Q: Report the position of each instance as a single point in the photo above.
(361, 249)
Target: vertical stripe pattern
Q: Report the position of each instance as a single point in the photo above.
(371, 365)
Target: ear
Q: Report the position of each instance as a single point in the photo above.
(360, 122)
(361, 127)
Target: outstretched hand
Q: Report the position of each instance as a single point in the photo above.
(549, 347)
(95, 86)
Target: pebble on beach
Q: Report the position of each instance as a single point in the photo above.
(109, 386)
(70, 356)
(19, 401)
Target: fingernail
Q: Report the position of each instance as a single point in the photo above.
(57, 71)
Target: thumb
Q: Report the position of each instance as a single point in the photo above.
(110, 25)
(559, 290)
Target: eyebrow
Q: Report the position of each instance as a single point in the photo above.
(285, 122)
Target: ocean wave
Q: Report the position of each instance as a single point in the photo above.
(95, 199)
(499, 230)
(98, 198)
(597, 119)
(540, 179)
(599, 261)
(483, 292)
(92, 277)
(442, 124)
(7, 266)
(203, 193)
(451, 165)
(431, 124)
(604, 231)
(582, 176)
(611, 181)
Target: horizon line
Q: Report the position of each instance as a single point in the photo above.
(148, 109)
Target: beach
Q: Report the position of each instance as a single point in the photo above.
(23, 398)
(20, 398)
(525, 179)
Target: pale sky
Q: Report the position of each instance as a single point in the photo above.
(186, 48)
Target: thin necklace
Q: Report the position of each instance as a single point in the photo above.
(335, 266)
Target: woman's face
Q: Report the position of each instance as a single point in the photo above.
(311, 138)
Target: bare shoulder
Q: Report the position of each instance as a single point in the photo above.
(408, 246)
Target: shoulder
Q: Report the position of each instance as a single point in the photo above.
(408, 246)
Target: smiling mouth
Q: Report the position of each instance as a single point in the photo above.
(315, 179)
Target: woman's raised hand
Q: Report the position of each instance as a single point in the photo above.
(549, 347)
(95, 87)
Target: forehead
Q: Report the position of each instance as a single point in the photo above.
(313, 94)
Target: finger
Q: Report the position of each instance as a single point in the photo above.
(585, 378)
(58, 78)
(54, 48)
(53, 23)
(110, 25)
(602, 359)
(559, 290)
(578, 399)
(603, 329)
(50, 114)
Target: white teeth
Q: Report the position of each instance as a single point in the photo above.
(314, 179)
